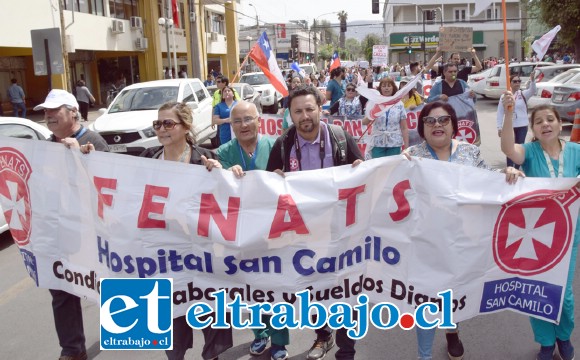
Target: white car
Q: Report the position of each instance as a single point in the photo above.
(476, 81)
(126, 125)
(23, 129)
(495, 84)
(545, 89)
(270, 97)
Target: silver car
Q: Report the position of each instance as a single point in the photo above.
(544, 89)
(566, 99)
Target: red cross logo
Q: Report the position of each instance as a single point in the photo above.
(534, 231)
(465, 131)
(293, 164)
(14, 193)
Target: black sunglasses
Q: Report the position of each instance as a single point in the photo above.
(350, 89)
(442, 120)
(167, 124)
(516, 81)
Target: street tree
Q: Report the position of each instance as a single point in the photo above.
(342, 17)
(354, 47)
(367, 46)
(564, 13)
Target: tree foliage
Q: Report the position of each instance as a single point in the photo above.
(367, 46)
(342, 17)
(565, 13)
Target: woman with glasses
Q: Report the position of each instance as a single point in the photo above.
(547, 156)
(349, 105)
(174, 129)
(390, 130)
(221, 114)
(520, 118)
(437, 126)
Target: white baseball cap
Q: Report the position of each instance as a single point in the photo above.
(57, 98)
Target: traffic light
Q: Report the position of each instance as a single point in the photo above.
(375, 6)
(409, 50)
(294, 41)
(307, 57)
(290, 54)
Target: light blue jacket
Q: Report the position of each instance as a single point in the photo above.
(437, 88)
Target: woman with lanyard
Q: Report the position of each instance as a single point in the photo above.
(174, 129)
(547, 156)
(438, 125)
(390, 130)
(520, 118)
(221, 114)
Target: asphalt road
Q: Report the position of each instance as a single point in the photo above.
(27, 329)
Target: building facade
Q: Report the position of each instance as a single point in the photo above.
(113, 43)
(408, 25)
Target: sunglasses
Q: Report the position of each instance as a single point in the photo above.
(218, 81)
(442, 120)
(350, 89)
(516, 81)
(167, 124)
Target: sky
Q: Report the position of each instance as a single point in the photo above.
(282, 11)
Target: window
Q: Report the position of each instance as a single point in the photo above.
(492, 14)
(459, 14)
(215, 22)
(123, 9)
(95, 7)
(429, 16)
(19, 131)
(201, 95)
(187, 94)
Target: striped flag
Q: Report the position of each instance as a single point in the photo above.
(335, 61)
(262, 54)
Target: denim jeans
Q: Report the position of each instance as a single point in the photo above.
(425, 339)
(68, 321)
(520, 138)
(19, 109)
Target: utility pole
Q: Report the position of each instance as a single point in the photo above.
(66, 82)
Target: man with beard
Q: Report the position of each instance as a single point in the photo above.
(311, 144)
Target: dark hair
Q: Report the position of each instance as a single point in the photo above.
(448, 65)
(432, 106)
(305, 90)
(336, 72)
(413, 66)
(225, 80)
(222, 91)
(14, 81)
(389, 81)
(544, 107)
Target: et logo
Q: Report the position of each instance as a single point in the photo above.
(136, 314)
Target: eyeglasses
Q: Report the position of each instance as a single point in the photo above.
(516, 81)
(167, 124)
(218, 81)
(350, 89)
(442, 120)
(246, 120)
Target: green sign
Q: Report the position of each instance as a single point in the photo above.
(431, 39)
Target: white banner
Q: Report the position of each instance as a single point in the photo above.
(397, 230)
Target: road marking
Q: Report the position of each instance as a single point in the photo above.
(16, 289)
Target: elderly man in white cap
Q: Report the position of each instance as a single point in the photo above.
(61, 115)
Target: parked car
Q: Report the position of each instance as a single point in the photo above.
(495, 84)
(566, 99)
(23, 129)
(246, 92)
(476, 81)
(270, 98)
(544, 89)
(309, 68)
(126, 125)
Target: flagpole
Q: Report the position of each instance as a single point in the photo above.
(241, 66)
(505, 46)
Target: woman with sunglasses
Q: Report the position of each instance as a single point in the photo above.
(221, 114)
(547, 156)
(437, 126)
(520, 118)
(390, 130)
(349, 105)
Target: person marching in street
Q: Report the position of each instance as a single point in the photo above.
(334, 90)
(17, 99)
(221, 114)
(84, 97)
(246, 152)
(349, 105)
(437, 126)
(547, 156)
(520, 118)
(454, 58)
(62, 118)
(308, 145)
(390, 130)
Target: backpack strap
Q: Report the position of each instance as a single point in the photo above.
(337, 133)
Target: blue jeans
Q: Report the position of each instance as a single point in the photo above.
(17, 108)
(520, 138)
(425, 339)
(68, 321)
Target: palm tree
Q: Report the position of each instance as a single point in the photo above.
(342, 16)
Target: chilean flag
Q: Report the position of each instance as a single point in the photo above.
(262, 54)
(335, 61)
(175, 13)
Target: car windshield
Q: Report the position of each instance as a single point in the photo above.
(255, 79)
(148, 98)
(563, 77)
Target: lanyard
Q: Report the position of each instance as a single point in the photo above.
(435, 155)
(560, 162)
(80, 132)
(299, 152)
(253, 157)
